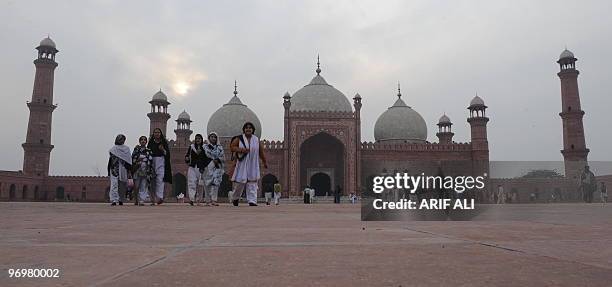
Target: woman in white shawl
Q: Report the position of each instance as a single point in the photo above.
(246, 173)
(214, 172)
(119, 167)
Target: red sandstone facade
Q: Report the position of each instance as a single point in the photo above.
(318, 148)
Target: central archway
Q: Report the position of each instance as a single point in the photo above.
(325, 155)
(321, 183)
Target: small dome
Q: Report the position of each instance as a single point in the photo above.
(160, 97)
(357, 96)
(400, 123)
(319, 96)
(184, 116)
(444, 119)
(566, 54)
(47, 42)
(476, 101)
(228, 120)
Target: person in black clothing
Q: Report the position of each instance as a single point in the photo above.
(307, 194)
(143, 171)
(161, 161)
(268, 189)
(337, 194)
(197, 161)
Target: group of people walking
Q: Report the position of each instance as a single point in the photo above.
(147, 168)
(205, 161)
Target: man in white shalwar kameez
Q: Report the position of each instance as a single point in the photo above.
(246, 173)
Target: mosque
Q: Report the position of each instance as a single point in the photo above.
(321, 144)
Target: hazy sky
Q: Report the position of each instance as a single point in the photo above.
(114, 55)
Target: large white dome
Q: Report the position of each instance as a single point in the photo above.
(319, 96)
(400, 123)
(228, 120)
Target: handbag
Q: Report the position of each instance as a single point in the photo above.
(237, 155)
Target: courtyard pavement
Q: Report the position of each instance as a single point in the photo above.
(94, 244)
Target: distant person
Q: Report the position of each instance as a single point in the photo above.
(587, 184)
(143, 171)
(161, 162)
(215, 170)
(248, 152)
(501, 195)
(119, 167)
(353, 198)
(196, 160)
(337, 194)
(277, 192)
(180, 198)
(312, 192)
(268, 189)
(307, 195)
(313, 195)
(553, 197)
(604, 192)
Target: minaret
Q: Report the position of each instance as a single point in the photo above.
(445, 134)
(159, 112)
(37, 148)
(183, 130)
(286, 141)
(480, 145)
(574, 146)
(357, 104)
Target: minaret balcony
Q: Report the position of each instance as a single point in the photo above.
(34, 106)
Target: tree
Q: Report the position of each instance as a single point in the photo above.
(542, 173)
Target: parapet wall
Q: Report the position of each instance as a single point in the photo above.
(321, 115)
(15, 186)
(381, 146)
(272, 145)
